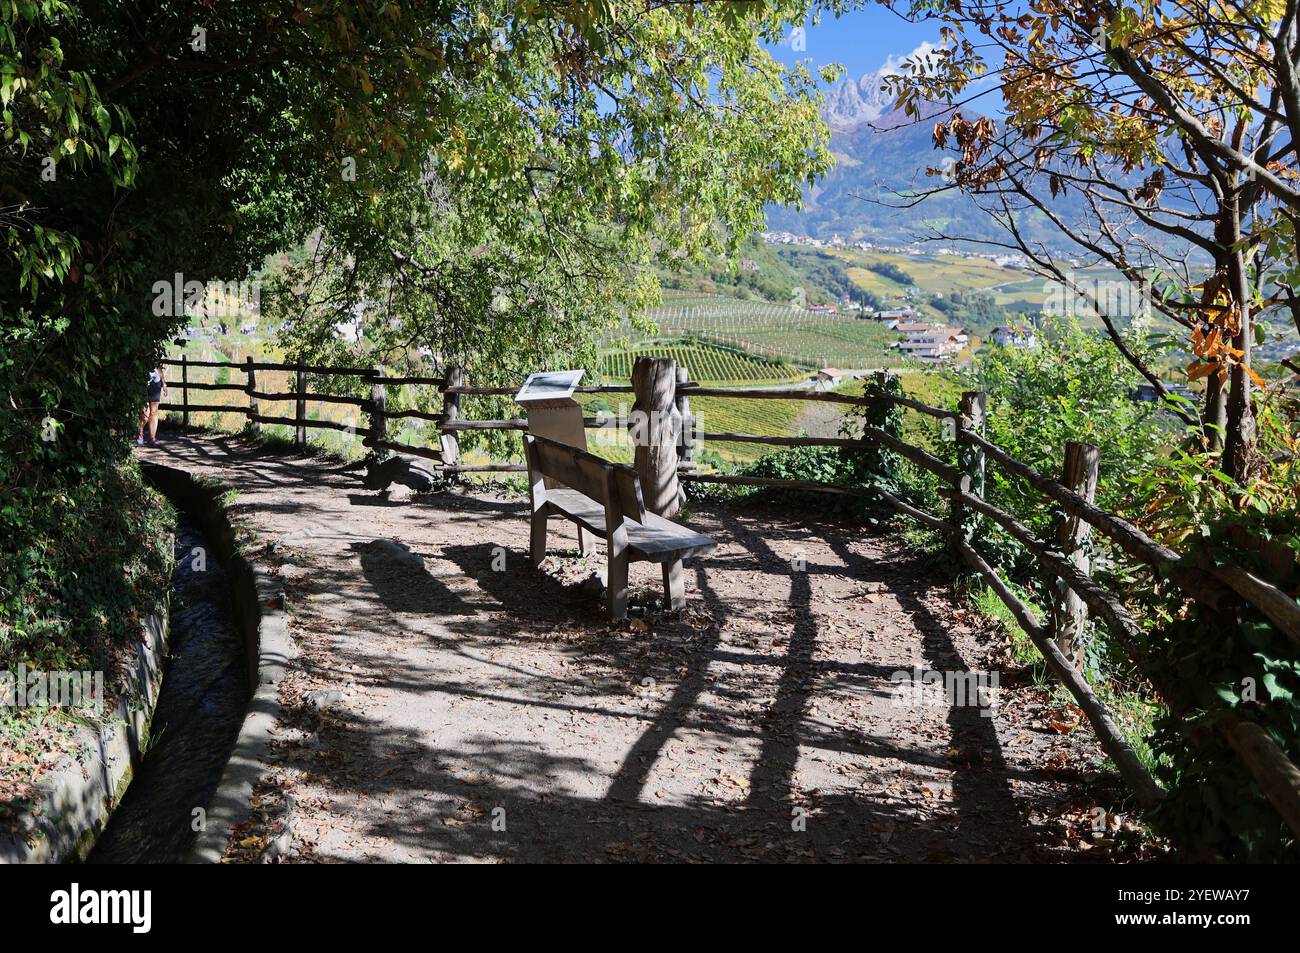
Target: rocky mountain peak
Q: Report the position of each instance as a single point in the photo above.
(850, 102)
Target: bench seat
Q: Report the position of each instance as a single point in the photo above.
(657, 540)
(605, 498)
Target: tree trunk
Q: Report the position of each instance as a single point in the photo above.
(1214, 418)
(1239, 440)
(1239, 445)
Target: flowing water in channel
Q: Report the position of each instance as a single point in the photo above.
(204, 697)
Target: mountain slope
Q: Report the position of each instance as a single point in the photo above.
(882, 157)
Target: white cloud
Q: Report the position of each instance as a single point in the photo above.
(894, 64)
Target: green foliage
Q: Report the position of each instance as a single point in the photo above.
(756, 273)
(850, 467)
(888, 269)
(826, 465)
(81, 569)
(824, 277)
(1213, 799)
(480, 185)
(877, 466)
(1241, 664)
(936, 390)
(584, 144)
(1021, 648)
(54, 122)
(83, 551)
(973, 310)
(1074, 385)
(818, 464)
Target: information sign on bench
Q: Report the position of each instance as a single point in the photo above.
(547, 396)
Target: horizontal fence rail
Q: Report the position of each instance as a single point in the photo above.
(1062, 559)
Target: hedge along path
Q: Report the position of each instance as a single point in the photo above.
(450, 703)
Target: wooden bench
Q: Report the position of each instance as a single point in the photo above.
(605, 498)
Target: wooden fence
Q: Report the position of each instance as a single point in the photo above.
(1062, 558)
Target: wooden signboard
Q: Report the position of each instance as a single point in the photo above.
(547, 397)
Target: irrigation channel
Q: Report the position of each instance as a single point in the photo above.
(200, 710)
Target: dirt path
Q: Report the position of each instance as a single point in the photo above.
(447, 706)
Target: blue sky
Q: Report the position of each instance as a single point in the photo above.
(863, 41)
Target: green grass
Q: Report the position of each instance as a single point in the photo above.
(1022, 649)
(922, 430)
(737, 415)
(717, 414)
(1134, 714)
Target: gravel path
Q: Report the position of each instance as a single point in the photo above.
(451, 703)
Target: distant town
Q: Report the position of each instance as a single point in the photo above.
(920, 341)
(835, 241)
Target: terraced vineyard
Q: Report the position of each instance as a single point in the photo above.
(707, 363)
(774, 332)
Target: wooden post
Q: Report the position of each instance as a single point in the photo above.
(617, 555)
(450, 439)
(1068, 612)
(300, 406)
(378, 408)
(185, 391)
(970, 459)
(251, 386)
(686, 435)
(654, 380)
(537, 502)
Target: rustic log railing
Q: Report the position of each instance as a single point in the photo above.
(1061, 559)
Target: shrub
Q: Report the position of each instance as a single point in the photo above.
(834, 466)
(79, 568)
(1240, 664)
(1075, 385)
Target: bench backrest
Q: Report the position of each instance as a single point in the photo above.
(594, 476)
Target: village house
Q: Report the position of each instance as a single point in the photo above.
(931, 344)
(1014, 336)
(1147, 394)
(893, 316)
(827, 378)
